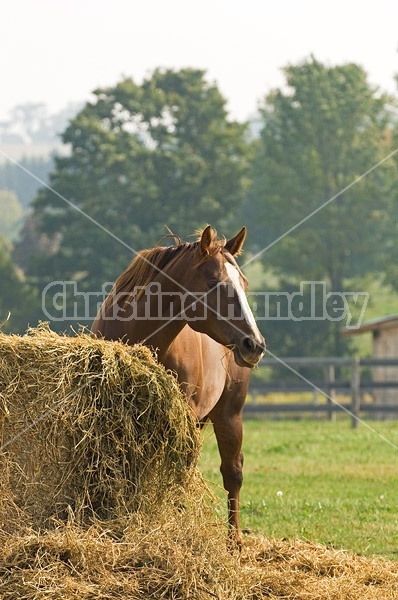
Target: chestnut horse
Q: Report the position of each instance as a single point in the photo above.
(188, 303)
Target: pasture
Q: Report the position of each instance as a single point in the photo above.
(319, 481)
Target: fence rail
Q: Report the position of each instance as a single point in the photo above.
(354, 386)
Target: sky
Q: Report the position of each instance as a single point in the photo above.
(59, 51)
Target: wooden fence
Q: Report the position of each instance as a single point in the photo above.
(354, 386)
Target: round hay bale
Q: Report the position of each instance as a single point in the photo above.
(89, 426)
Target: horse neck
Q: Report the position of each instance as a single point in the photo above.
(157, 325)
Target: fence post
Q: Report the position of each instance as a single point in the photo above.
(330, 374)
(316, 402)
(355, 391)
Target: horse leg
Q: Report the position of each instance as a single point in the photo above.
(228, 431)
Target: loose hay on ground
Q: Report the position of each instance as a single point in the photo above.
(299, 570)
(179, 560)
(104, 429)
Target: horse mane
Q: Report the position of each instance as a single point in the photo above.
(147, 264)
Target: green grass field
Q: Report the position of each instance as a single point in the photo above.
(318, 481)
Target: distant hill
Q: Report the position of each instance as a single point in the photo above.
(32, 123)
(20, 151)
(29, 138)
(24, 177)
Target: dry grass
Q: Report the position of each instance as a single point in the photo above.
(101, 499)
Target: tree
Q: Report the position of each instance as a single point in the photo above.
(390, 257)
(18, 304)
(142, 157)
(320, 133)
(11, 213)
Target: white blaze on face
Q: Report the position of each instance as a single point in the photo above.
(235, 279)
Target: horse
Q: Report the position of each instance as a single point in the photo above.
(188, 303)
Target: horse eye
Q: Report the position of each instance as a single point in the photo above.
(213, 283)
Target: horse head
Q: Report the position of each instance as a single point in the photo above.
(220, 287)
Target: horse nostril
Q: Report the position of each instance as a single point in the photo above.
(249, 344)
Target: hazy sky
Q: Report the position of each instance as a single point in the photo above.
(58, 51)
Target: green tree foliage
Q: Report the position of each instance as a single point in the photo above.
(11, 213)
(142, 157)
(320, 133)
(391, 249)
(18, 304)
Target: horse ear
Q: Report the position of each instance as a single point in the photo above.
(205, 240)
(235, 244)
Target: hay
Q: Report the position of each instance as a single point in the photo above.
(89, 426)
(294, 569)
(179, 558)
(117, 449)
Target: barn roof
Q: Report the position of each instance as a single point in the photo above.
(387, 322)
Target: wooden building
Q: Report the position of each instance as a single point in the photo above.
(385, 345)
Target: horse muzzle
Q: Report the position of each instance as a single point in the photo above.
(249, 352)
